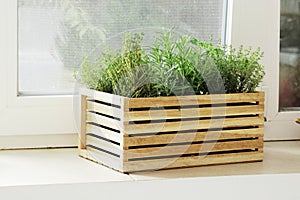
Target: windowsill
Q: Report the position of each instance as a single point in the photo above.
(63, 166)
(59, 166)
(51, 174)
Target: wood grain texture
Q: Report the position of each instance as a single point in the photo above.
(131, 129)
(193, 112)
(192, 137)
(195, 100)
(82, 134)
(134, 166)
(192, 149)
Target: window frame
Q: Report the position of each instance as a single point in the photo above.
(247, 16)
(27, 115)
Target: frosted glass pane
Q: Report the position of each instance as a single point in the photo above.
(54, 35)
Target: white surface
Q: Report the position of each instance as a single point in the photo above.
(39, 167)
(61, 174)
(38, 141)
(262, 187)
(57, 166)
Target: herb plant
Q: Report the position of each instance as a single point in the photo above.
(173, 65)
(239, 68)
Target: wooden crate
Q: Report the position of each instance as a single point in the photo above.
(137, 134)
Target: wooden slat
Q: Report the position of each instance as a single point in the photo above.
(133, 166)
(105, 133)
(102, 144)
(192, 137)
(102, 96)
(192, 149)
(192, 125)
(195, 100)
(105, 121)
(193, 112)
(102, 158)
(104, 109)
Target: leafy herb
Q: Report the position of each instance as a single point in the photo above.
(173, 65)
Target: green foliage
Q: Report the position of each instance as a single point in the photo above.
(174, 60)
(239, 68)
(174, 65)
(106, 74)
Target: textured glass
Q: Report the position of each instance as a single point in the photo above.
(289, 89)
(54, 35)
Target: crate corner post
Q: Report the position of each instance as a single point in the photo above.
(83, 118)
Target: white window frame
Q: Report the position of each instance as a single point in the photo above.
(48, 116)
(257, 23)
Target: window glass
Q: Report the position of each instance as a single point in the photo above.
(54, 35)
(289, 98)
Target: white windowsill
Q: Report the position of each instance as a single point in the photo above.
(46, 171)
